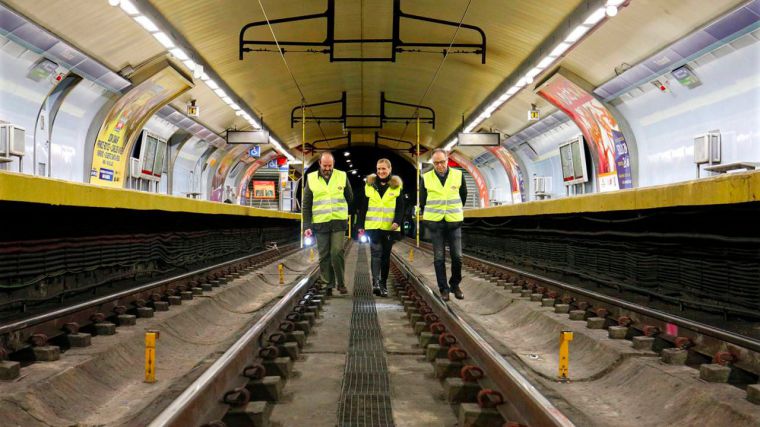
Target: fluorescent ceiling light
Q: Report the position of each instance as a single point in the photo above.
(220, 93)
(513, 90)
(227, 100)
(609, 2)
(545, 62)
(560, 49)
(520, 83)
(611, 11)
(533, 73)
(146, 23)
(235, 107)
(164, 39)
(128, 7)
(595, 17)
(189, 64)
(577, 33)
(503, 98)
(179, 54)
(212, 84)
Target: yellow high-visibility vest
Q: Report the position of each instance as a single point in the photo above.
(329, 203)
(443, 202)
(381, 209)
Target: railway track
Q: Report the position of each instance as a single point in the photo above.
(73, 325)
(677, 339)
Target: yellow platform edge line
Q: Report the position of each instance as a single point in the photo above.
(719, 190)
(17, 187)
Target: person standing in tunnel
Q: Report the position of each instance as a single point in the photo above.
(443, 194)
(381, 218)
(327, 196)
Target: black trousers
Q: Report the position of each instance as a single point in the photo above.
(380, 249)
(439, 234)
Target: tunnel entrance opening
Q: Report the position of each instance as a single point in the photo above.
(363, 160)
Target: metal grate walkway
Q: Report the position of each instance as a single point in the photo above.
(365, 396)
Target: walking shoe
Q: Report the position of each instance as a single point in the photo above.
(343, 290)
(458, 294)
(445, 296)
(383, 291)
(376, 289)
(328, 292)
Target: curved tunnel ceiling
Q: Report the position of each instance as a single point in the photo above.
(513, 30)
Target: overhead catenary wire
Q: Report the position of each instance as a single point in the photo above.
(287, 67)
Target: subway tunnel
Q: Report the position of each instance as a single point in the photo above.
(152, 159)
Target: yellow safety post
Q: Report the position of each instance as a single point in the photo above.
(150, 356)
(311, 254)
(417, 208)
(411, 255)
(303, 161)
(349, 227)
(564, 353)
(281, 269)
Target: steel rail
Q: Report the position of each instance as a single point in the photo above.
(202, 400)
(697, 327)
(516, 389)
(53, 315)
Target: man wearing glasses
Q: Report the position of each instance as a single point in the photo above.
(443, 194)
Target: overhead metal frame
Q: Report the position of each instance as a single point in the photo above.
(411, 150)
(344, 117)
(328, 45)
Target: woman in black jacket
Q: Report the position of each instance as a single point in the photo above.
(384, 201)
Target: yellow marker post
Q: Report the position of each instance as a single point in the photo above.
(411, 255)
(564, 354)
(311, 254)
(150, 356)
(281, 269)
(349, 227)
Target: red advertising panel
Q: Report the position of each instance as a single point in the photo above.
(263, 190)
(601, 131)
(513, 172)
(476, 175)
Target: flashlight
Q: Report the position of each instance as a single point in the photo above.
(308, 241)
(364, 238)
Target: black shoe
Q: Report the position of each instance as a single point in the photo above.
(445, 296)
(458, 294)
(383, 291)
(328, 292)
(376, 290)
(343, 290)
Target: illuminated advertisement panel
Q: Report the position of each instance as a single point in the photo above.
(602, 132)
(252, 168)
(513, 172)
(122, 125)
(263, 190)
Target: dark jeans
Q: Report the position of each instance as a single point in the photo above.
(380, 248)
(332, 263)
(439, 234)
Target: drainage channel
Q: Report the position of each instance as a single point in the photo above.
(365, 395)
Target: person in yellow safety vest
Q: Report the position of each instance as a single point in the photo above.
(443, 194)
(381, 220)
(326, 200)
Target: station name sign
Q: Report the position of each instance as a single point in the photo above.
(248, 137)
(478, 139)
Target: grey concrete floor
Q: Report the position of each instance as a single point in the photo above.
(312, 397)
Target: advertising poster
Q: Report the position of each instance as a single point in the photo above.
(122, 125)
(513, 172)
(480, 182)
(263, 190)
(602, 132)
(220, 175)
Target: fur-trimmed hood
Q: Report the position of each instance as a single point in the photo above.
(394, 182)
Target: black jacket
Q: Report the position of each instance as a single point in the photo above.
(334, 225)
(398, 214)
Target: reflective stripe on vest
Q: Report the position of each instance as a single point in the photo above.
(380, 210)
(443, 202)
(329, 203)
